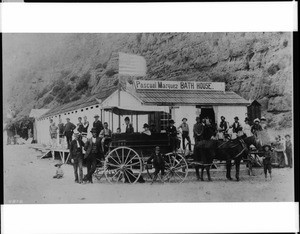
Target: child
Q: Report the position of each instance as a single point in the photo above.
(267, 161)
(158, 163)
(59, 171)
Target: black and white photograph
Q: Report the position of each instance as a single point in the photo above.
(148, 117)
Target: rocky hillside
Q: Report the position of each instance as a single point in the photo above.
(45, 70)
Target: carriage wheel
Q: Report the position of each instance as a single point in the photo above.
(123, 165)
(176, 168)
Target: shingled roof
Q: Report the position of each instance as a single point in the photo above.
(81, 103)
(187, 97)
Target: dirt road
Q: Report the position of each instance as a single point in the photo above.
(28, 180)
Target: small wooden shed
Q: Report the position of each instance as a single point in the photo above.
(254, 111)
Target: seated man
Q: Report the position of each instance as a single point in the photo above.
(146, 130)
(158, 163)
(105, 134)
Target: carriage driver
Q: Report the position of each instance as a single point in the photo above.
(158, 162)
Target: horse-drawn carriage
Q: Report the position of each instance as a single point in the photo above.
(127, 155)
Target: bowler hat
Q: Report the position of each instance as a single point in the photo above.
(146, 126)
(93, 130)
(236, 117)
(171, 121)
(58, 165)
(67, 118)
(222, 117)
(76, 133)
(262, 118)
(184, 119)
(96, 115)
(246, 119)
(157, 147)
(127, 118)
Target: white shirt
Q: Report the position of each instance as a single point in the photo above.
(93, 140)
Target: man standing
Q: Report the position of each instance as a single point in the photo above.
(53, 133)
(76, 156)
(93, 149)
(237, 127)
(157, 159)
(172, 132)
(68, 132)
(97, 124)
(185, 133)
(198, 130)
(223, 128)
(61, 128)
(80, 125)
(288, 150)
(129, 128)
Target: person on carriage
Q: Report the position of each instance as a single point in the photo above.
(97, 124)
(198, 130)
(172, 132)
(146, 129)
(158, 162)
(105, 136)
(237, 128)
(152, 127)
(185, 133)
(129, 127)
(247, 128)
(93, 149)
(256, 127)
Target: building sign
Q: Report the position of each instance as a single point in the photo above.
(179, 85)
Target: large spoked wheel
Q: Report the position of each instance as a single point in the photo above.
(176, 168)
(123, 165)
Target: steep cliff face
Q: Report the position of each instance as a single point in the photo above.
(254, 65)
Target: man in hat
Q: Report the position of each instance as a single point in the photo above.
(223, 127)
(76, 156)
(185, 133)
(256, 127)
(236, 126)
(198, 130)
(146, 129)
(157, 159)
(80, 125)
(68, 132)
(92, 149)
(129, 128)
(61, 128)
(172, 132)
(53, 133)
(288, 150)
(97, 124)
(105, 135)
(263, 123)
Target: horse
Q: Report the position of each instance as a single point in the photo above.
(207, 150)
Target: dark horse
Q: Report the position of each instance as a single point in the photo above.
(207, 150)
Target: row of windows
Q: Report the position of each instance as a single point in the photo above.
(70, 112)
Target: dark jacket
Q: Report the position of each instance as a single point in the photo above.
(76, 152)
(224, 126)
(268, 157)
(98, 125)
(129, 128)
(88, 146)
(198, 130)
(69, 127)
(208, 132)
(158, 160)
(172, 131)
(61, 128)
(236, 127)
(255, 128)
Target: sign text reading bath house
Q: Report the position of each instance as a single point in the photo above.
(179, 85)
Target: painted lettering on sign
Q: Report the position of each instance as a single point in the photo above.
(179, 85)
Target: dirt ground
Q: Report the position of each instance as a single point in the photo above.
(28, 180)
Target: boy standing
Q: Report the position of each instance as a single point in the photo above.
(267, 161)
(158, 163)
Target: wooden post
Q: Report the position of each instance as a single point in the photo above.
(137, 124)
(119, 98)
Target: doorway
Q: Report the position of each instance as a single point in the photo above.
(207, 111)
